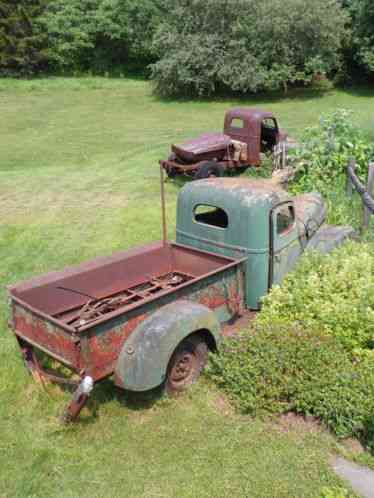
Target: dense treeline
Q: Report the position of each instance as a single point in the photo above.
(22, 41)
(195, 47)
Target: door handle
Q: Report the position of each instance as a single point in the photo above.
(277, 258)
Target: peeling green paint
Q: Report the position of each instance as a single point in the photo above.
(143, 361)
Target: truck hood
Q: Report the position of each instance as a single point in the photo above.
(197, 148)
(330, 237)
(310, 210)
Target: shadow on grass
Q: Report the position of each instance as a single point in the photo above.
(363, 90)
(180, 181)
(294, 94)
(105, 392)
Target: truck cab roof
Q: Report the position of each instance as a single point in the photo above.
(229, 211)
(238, 192)
(249, 114)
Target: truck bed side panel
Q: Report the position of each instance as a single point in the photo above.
(46, 336)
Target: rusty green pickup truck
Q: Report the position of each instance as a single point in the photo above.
(148, 316)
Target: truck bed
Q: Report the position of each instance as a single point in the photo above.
(83, 296)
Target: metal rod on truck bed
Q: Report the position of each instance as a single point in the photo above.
(163, 211)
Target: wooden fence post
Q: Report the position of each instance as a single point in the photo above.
(370, 188)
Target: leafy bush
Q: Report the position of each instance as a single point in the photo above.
(333, 294)
(245, 45)
(326, 150)
(278, 369)
(335, 493)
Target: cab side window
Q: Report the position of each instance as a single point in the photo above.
(237, 123)
(211, 215)
(269, 124)
(285, 219)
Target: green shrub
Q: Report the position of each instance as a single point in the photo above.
(333, 293)
(326, 150)
(280, 369)
(311, 347)
(335, 493)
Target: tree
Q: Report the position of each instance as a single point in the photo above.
(246, 45)
(23, 45)
(100, 34)
(362, 12)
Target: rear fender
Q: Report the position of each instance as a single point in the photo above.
(142, 363)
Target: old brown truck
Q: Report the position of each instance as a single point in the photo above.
(247, 133)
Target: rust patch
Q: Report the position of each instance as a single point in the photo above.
(242, 323)
(40, 332)
(105, 347)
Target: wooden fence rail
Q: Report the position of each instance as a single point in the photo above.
(365, 191)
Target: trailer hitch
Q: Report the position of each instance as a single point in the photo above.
(80, 397)
(81, 394)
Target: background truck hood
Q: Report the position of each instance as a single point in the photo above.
(197, 148)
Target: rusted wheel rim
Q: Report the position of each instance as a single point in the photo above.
(183, 371)
(212, 173)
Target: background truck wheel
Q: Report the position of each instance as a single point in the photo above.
(186, 364)
(210, 168)
(172, 173)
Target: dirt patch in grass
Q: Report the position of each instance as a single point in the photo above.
(353, 446)
(222, 405)
(290, 422)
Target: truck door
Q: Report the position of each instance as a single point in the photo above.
(269, 134)
(285, 246)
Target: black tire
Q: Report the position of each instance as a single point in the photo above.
(241, 169)
(209, 169)
(172, 173)
(186, 364)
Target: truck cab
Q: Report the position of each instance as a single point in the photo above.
(247, 132)
(256, 220)
(255, 128)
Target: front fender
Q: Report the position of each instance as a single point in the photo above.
(145, 355)
(330, 237)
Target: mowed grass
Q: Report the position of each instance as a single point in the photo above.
(79, 178)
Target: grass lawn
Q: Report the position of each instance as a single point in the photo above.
(78, 179)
